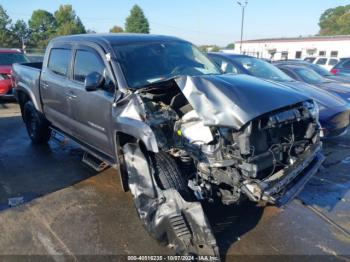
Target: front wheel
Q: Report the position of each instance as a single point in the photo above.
(37, 126)
(167, 173)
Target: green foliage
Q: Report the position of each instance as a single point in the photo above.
(68, 23)
(214, 48)
(42, 26)
(335, 21)
(90, 31)
(137, 22)
(230, 46)
(6, 36)
(116, 29)
(5, 20)
(20, 33)
(203, 48)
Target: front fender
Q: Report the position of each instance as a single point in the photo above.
(139, 130)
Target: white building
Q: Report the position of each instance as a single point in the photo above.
(297, 47)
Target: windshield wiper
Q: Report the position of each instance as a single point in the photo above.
(149, 85)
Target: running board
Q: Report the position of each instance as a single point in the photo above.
(94, 162)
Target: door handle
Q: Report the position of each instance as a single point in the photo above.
(70, 96)
(45, 85)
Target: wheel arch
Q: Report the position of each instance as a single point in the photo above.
(120, 139)
(22, 98)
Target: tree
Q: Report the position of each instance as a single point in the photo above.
(214, 48)
(43, 26)
(20, 33)
(137, 22)
(6, 37)
(68, 23)
(90, 31)
(116, 29)
(335, 21)
(230, 46)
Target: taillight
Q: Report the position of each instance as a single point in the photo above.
(334, 71)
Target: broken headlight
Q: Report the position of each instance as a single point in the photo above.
(313, 109)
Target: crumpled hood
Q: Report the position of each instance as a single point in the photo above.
(234, 100)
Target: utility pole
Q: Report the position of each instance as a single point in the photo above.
(243, 6)
(23, 44)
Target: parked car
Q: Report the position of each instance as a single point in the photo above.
(334, 111)
(326, 62)
(342, 68)
(35, 57)
(304, 74)
(137, 102)
(310, 59)
(7, 58)
(318, 69)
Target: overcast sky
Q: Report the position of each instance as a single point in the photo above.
(199, 21)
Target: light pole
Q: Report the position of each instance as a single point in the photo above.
(243, 6)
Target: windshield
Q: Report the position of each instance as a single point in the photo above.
(320, 70)
(263, 69)
(11, 58)
(147, 63)
(309, 76)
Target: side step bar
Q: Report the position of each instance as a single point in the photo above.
(94, 162)
(90, 158)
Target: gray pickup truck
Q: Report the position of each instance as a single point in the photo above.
(178, 131)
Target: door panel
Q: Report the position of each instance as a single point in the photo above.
(54, 88)
(91, 111)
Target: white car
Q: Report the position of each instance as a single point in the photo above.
(326, 62)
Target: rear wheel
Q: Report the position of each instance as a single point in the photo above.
(36, 124)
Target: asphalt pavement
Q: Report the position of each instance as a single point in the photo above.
(53, 204)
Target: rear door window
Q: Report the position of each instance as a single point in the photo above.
(332, 62)
(59, 61)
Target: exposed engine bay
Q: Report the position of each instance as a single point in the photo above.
(228, 163)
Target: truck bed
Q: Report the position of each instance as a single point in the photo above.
(26, 78)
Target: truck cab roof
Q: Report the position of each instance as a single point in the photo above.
(116, 38)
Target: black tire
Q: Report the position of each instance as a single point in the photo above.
(36, 124)
(167, 173)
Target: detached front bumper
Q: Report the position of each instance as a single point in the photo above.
(284, 185)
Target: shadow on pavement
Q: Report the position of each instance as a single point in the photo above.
(4, 102)
(28, 171)
(229, 223)
(331, 184)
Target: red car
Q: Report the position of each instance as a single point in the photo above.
(7, 58)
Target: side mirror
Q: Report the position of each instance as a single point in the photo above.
(93, 81)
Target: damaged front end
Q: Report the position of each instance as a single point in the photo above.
(231, 142)
(167, 216)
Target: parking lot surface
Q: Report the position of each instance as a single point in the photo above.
(69, 209)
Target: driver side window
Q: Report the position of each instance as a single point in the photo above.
(87, 62)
